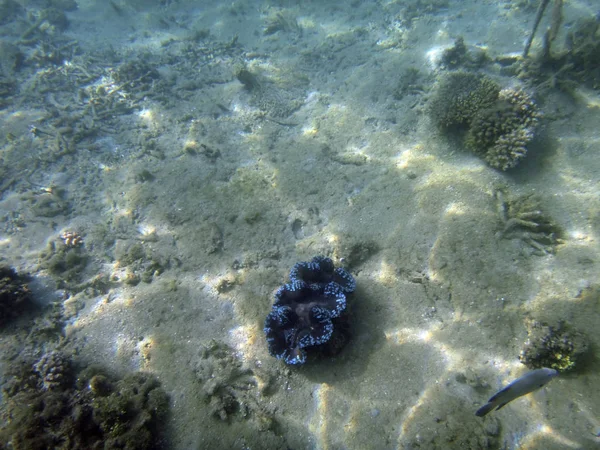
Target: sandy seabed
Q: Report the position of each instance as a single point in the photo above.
(195, 190)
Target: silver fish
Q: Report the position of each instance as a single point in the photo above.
(521, 386)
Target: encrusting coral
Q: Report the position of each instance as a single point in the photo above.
(501, 132)
(305, 309)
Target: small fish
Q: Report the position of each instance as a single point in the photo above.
(521, 386)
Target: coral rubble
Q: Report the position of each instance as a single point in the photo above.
(304, 310)
(230, 388)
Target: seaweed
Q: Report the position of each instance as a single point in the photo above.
(15, 297)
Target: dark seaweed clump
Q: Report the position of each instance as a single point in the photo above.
(53, 406)
(305, 310)
(14, 294)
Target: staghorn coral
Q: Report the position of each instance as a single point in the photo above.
(555, 347)
(501, 132)
(304, 310)
(522, 218)
(459, 96)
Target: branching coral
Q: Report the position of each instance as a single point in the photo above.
(500, 133)
(459, 96)
(522, 218)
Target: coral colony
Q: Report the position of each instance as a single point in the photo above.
(304, 309)
(499, 123)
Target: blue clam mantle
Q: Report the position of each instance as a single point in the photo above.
(303, 310)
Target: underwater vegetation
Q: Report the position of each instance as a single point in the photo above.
(305, 310)
(499, 123)
(64, 258)
(51, 405)
(576, 63)
(14, 294)
(277, 21)
(555, 347)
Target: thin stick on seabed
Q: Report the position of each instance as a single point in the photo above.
(538, 18)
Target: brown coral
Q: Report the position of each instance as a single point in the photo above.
(500, 133)
(459, 96)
